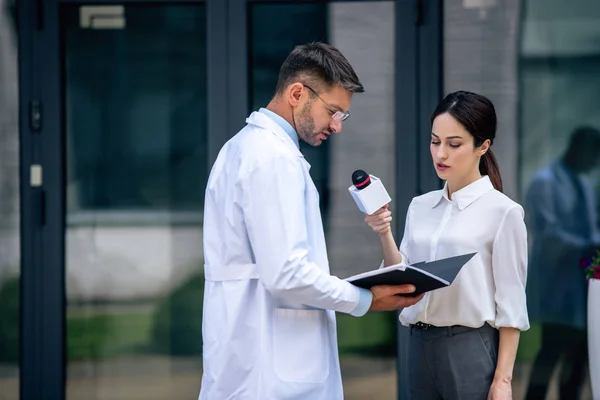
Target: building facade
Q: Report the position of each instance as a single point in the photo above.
(110, 119)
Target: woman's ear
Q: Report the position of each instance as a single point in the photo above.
(484, 147)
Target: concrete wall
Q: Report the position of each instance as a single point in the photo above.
(480, 55)
(129, 262)
(364, 32)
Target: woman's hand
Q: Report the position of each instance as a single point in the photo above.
(380, 220)
(500, 390)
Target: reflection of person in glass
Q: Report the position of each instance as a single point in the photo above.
(269, 324)
(562, 223)
(463, 338)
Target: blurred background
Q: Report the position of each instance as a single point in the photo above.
(135, 100)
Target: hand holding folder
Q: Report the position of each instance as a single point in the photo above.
(425, 276)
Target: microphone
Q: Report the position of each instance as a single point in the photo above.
(368, 192)
(360, 179)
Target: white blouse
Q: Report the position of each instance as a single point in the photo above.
(491, 286)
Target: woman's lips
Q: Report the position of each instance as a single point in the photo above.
(441, 167)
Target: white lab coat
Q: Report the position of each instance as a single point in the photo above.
(269, 328)
(556, 289)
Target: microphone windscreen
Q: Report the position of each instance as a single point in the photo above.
(360, 179)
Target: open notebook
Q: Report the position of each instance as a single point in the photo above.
(426, 276)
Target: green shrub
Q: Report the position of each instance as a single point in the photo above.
(88, 337)
(9, 320)
(373, 334)
(177, 321)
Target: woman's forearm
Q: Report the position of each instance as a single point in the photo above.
(507, 352)
(391, 255)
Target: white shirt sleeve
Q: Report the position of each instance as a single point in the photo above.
(274, 210)
(509, 268)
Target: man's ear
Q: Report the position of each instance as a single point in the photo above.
(295, 93)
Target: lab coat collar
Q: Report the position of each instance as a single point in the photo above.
(286, 126)
(260, 120)
(467, 195)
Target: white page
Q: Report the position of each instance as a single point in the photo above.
(399, 267)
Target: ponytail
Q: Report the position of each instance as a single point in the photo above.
(489, 166)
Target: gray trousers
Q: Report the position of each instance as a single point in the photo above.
(452, 363)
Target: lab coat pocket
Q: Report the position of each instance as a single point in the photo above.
(301, 345)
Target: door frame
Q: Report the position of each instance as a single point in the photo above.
(42, 276)
(419, 87)
(419, 74)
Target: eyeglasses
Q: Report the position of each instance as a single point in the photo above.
(336, 115)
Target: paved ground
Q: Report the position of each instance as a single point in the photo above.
(160, 378)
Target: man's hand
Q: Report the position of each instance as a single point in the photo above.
(385, 297)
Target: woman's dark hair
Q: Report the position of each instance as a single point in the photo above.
(477, 115)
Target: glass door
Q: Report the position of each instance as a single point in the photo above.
(135, 135)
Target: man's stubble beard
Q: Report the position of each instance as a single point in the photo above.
(306, 126)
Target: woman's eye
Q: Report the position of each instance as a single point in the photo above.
(454, 145)
(435, 143)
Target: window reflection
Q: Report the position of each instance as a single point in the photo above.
(538, 61)
(135, 101)
(560, 78)
(124, 157)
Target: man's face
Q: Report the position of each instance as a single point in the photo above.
(314, 118)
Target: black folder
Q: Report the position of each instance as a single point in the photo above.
(426, 276)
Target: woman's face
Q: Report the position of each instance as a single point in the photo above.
(453, 152)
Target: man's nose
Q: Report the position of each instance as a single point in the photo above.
(336, 125)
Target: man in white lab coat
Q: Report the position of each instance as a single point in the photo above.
(269, 329)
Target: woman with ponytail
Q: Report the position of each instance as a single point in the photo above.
(463, 338)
